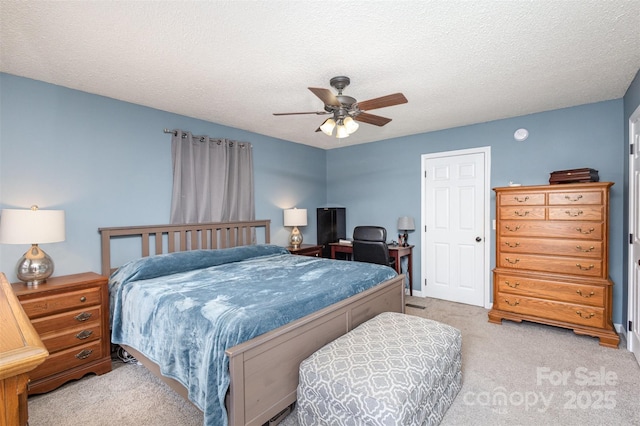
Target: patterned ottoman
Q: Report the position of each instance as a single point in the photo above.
(394, 369)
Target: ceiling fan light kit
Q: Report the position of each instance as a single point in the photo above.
(350, 124)
(341, 132)
(327, 126)
(347, 111)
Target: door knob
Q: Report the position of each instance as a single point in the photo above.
(478, 239)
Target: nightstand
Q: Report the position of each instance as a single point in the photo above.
(71, 315)
(307, 250)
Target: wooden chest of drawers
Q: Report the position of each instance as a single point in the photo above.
(71, 315)
(552, 258)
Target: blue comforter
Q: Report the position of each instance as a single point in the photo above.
(183, 310)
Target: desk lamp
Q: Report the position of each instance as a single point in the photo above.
(405, 223)
(34, 226)
(295, 217)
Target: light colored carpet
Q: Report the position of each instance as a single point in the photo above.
(513, 374)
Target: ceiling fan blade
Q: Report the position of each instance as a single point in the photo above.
(325, 96)
(299, 113)
(383, 101)
(372, 119)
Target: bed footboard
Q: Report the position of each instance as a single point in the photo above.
(264, 370)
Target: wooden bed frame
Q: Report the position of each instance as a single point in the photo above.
(263, 370)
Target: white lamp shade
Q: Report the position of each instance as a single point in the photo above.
(327, 126)
(295, 217)
(341, 131)
(406, 223)
(21, 226)
(351, 125)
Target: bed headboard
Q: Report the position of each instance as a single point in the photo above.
(184, 237)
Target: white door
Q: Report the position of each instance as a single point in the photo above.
(455, 250)
(633, 340)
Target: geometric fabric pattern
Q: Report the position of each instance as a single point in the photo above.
(393, 370)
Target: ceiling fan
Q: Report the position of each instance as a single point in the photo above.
(346, 110)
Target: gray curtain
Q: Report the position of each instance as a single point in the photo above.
(212, 179)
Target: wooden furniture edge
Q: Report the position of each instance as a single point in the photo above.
(21, 351)
(17, 357)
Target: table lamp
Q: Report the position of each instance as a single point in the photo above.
(295, 217)
(405, 223)
(34, 226)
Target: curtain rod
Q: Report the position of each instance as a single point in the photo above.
(241, 144)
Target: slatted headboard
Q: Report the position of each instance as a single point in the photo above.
(184, 237)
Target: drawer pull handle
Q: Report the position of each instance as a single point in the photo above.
(521, 200)
(512, 262)
(83, 299)
(588, 316)
(574, 213)
(521, 214)
(585, 268)
(84, 334)
(508, 244)
(592, 248)
(566, 197)
(585, 232)
(516, 303)
(83, 316)
(515, 285)
(512, 230)
(84, 354)
(587, 296)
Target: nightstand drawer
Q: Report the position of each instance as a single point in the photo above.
(67, 359)
(68, 338)
(52, 304)
(75, 318)
(71, 315)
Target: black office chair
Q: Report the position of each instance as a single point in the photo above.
(370, 245)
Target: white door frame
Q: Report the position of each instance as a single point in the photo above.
(486, 150)
(632, 295)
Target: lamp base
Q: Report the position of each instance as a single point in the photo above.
(404, 239)
(35, 266)
(295, 239)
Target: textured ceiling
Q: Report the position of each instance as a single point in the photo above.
(237, 62)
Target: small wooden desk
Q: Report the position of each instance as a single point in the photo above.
(395, 252)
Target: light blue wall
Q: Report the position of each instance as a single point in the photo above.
(108, 163)
(379, 182)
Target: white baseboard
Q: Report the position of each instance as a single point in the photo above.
(620, 329)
